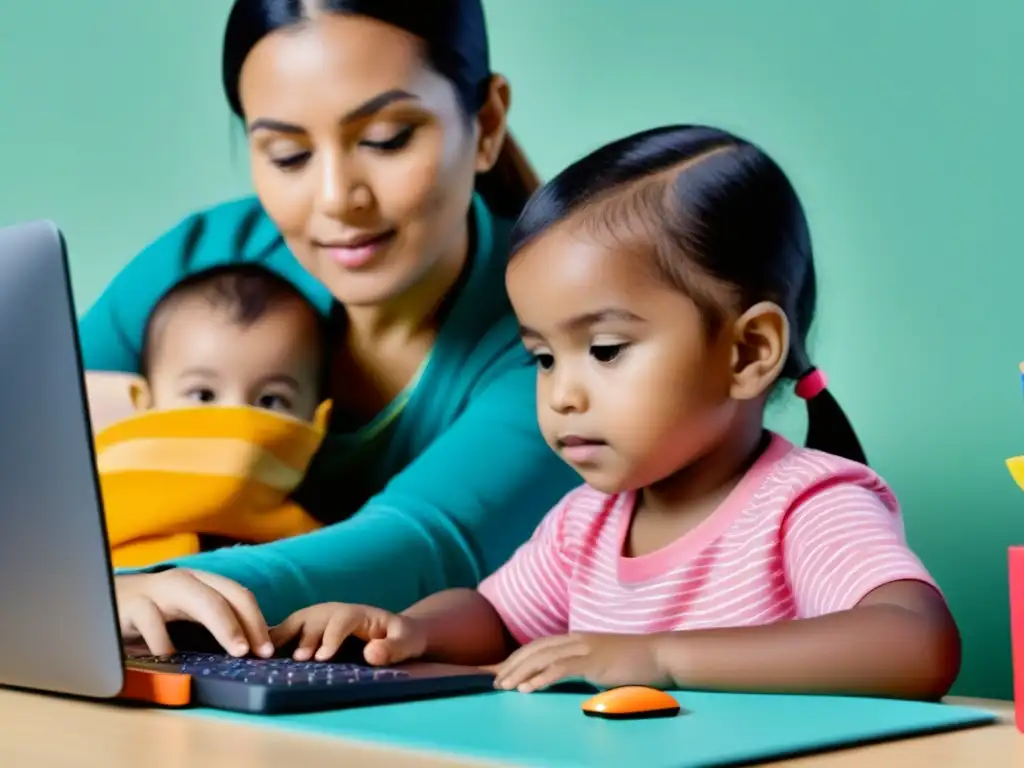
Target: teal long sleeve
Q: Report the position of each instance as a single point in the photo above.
(449, 519)
(455, 484)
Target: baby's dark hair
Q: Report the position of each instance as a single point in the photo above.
(247, 291)
(719, 220)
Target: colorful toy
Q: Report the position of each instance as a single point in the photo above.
(1016, 464)
(1016, 574)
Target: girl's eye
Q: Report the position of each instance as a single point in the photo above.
(394, 143)
(606, 353)
(544, 360)
(290, 162)
(274, 403)
(201, 395)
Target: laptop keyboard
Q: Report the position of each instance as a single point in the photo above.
(274, 672)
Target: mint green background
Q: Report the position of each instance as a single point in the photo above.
(899, 121)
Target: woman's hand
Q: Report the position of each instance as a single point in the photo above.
(321, 629)
(147, 601)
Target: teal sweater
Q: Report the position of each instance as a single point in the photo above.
(436, 492)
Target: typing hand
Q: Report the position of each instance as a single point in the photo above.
(600, 659)
(321, 630)
(147, 601)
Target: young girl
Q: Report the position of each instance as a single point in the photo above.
(665, 286)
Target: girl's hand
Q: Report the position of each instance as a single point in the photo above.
(321, 629)
(602, 660)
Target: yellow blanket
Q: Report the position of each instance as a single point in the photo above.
(1016, 465)
(169, 477)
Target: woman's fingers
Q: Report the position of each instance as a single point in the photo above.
(246, 611)
(228, 610)
(286, 631)
(189, 598)
(144, 618)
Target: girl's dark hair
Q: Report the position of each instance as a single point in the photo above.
(719, 220)
(454, 34)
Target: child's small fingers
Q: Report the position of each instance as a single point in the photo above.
(380, 653)
(535, 661)
(526, 656)
(377, 653)
(518, 667)
(339, 627)
(309, 641)
(544, 679)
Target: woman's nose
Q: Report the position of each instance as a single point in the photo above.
(341, 191)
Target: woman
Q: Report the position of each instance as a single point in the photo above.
(385, 184)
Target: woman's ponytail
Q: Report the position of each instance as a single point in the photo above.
(510, 183)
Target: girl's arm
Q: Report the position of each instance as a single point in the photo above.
(871, 621)
(898, 641)
(461, 627)
(482, 627)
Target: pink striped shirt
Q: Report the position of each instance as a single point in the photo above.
(803, 534)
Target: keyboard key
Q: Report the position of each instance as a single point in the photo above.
(275, 672)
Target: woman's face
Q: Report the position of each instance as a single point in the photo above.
(361, 154)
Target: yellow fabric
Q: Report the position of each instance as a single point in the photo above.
(1016, 466)
(168, 477)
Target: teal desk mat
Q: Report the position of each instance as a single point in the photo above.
(548, 729)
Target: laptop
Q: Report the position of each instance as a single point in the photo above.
(59, 630)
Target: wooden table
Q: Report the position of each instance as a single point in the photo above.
(45, 732)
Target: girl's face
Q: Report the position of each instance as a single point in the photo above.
(629, 387)
(360, 154)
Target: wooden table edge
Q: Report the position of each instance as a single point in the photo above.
(200, 741)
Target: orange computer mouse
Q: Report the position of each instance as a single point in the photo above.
(631, 702)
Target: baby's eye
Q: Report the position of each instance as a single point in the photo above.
(202, 395)
(274, 403)
(606, 353)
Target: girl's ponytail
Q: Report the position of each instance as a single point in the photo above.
(828, 429)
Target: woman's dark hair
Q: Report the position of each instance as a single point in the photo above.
(455, 40)
(719, 220)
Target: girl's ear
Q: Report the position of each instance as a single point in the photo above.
(760, 348)
(492, 123)
(140, 395)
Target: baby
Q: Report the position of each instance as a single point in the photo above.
(181, 477)
(236, 335)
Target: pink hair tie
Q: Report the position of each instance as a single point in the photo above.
(811, 384)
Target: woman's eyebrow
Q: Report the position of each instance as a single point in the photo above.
(367, 108)
(377, 103)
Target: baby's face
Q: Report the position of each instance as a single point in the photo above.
(201, 355)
